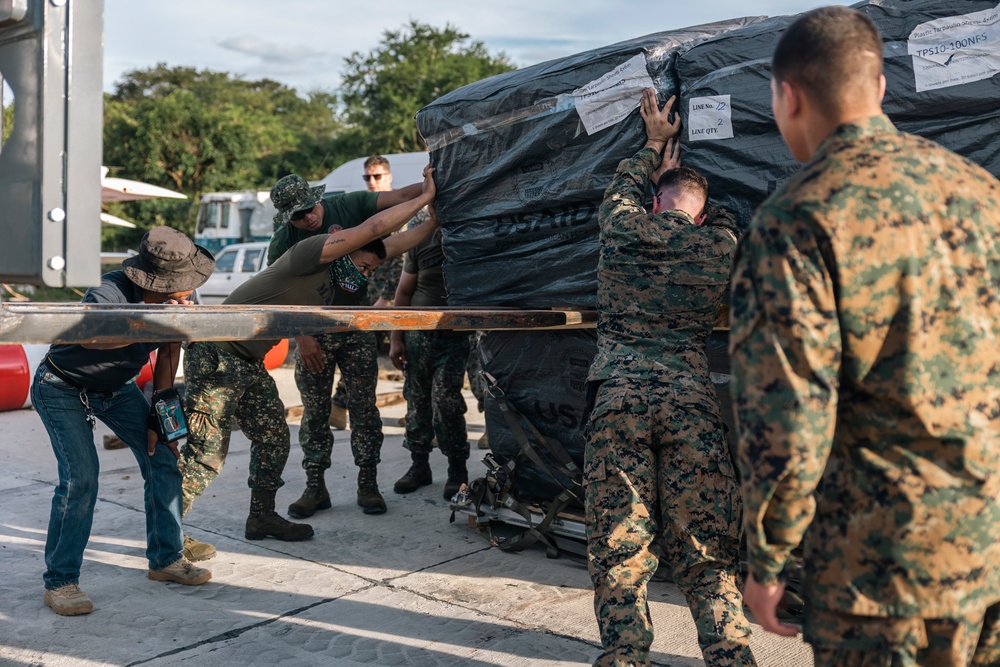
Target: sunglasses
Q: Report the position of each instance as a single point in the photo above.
(377, 177)
(298, 215)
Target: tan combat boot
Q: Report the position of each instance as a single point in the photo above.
(338, 417)
(181, 571)
(68, 600)
(196, 551)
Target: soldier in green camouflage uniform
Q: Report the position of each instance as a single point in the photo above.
(657, 472)
(228, 378)
(866, 371)
(317, 357)
(434, 363)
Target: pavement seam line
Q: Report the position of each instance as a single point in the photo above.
(236, 632)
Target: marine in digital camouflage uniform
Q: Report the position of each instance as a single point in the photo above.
(660, 486)
(866, 371)
(434, 364)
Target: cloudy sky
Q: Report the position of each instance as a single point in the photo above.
(303, 43)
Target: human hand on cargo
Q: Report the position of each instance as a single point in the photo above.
(429, 187)
(671, 159)
(310, 353)
(658, 126)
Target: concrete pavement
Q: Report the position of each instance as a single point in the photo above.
(403, 588)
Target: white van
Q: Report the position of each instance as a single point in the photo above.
(225, 218)
(234, 265)
(406, 168)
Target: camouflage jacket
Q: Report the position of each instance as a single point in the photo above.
(866, 368)
(660, 281)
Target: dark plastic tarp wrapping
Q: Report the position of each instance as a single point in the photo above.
(520, 179)
(543, 375)
(744, 169)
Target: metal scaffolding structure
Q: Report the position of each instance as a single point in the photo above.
(28, 323)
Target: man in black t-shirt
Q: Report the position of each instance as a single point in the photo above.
(78, 384)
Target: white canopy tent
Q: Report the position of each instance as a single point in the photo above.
(123, 189)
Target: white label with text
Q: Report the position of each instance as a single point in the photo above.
(710, 118)
(955, 50)
(606, 101)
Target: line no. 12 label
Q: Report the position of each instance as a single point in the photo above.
(710, 118)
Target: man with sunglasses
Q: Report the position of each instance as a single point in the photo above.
(382, 284)
(658, 477)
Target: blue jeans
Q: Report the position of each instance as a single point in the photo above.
(61, 409)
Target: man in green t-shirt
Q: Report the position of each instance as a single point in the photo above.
(302, 213)
(227, 379)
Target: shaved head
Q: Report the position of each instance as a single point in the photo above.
(835, 55)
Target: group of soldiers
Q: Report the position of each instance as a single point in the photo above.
(323, 253)
(865, 306)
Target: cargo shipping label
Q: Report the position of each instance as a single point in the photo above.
(607, 100)
(710, 118)
(955, 50)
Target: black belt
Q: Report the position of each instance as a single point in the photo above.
(71, 382)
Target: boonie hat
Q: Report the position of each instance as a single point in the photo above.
(292, 193)
(168, 261)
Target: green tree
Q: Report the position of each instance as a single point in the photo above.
(198, 131)
(8, 121)
(410, 68)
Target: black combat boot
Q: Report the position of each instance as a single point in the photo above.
(369, 498)
(418, 475)
(315, 497)
(265, 522)
(457, 476)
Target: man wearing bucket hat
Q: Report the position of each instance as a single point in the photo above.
(227, 378)
(78, 384)
(303, 213)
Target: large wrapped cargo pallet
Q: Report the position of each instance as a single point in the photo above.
(523, 159)
(729, 133)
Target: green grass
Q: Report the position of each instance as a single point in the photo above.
(42, 293)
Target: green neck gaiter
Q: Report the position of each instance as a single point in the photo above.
(346, 274)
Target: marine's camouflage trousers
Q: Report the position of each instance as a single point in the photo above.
(218, 386)
(660, 487)
(844, 640)
(355, 354)
(435, 370)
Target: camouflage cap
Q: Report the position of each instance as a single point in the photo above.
(292, 193)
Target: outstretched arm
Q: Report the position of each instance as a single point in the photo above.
(379, 225)
(395, 197)
(397, 244)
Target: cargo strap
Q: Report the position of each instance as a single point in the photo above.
(497, 488)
